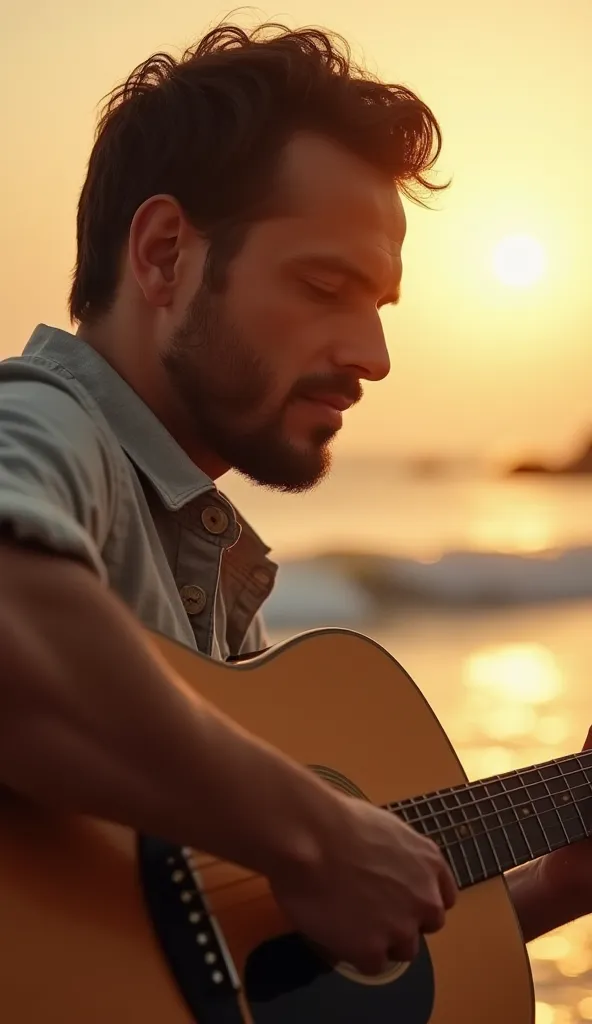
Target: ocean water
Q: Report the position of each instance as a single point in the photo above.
(482, 588)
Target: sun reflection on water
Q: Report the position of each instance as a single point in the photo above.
(509, 717)
(561, 964)
(545, 1014)
(513, 715)
(513, 690)
(550, 947)
(529, 536)
(526, 673)
(521, 520)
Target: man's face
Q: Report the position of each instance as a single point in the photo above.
(266, 367)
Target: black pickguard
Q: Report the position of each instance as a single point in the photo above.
(286, 983)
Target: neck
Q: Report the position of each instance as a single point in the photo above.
(142, 370)
(486, 828)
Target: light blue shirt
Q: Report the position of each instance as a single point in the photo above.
(87, 471)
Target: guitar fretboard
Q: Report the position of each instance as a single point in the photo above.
(485, 828)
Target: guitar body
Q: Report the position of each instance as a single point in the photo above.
(79, 945)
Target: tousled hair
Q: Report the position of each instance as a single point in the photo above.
(208, 129)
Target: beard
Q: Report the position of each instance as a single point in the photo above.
(227, 393)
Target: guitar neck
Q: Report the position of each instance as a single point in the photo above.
(486, 828)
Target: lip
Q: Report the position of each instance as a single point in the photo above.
(337, 402)
(331, 408)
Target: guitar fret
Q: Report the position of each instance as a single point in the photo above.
(520, 812)
(505, 802)
(413, 812)
(473, 810)
(547, 814)
(488, 827)
(456, 852)
(466, 836)
(576, 780)
(535, 839)
(582, 790)
(429, 825)
(548, 809)
(584, 768)
(584, 763)
(563, 801)
(408, 810)
(523, 832)
(496, 826)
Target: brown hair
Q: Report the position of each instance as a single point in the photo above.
(209, 127)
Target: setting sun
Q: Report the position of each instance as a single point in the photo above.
(519, 261)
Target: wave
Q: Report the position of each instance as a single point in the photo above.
(341, 589)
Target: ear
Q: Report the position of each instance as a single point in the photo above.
(159, 234)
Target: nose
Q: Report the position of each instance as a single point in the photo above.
(363, 348)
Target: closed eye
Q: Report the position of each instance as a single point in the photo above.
(322, 291)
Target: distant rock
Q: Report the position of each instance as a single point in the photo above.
(579, 466)
(531, 467)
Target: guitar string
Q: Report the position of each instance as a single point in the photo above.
(490, 798)
(397, 808)
(447, 845)
(503, 828)
(516, 774)
(499, 868)
(480, 819)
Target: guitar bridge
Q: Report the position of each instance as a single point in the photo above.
(189, 935)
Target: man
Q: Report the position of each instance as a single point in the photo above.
(238, 230)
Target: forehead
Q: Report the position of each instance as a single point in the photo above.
(335, 197)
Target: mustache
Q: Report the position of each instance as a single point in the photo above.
(340, 384)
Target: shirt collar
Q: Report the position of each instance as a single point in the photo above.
(170, 471)
(146, 441)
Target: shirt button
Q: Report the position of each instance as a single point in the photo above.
(194, 599)
(214, 519)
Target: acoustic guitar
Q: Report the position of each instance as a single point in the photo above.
(102, 926)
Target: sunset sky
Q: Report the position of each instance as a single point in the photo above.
(478, 365)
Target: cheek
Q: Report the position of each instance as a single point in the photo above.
(289, 333)
(287, 330)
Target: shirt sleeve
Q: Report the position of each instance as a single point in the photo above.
(56, 478)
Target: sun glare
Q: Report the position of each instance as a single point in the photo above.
(519, 261)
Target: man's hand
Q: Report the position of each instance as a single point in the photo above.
(566, 875)
(555, 889)
(377, 886)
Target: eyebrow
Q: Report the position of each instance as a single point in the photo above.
(340, 265)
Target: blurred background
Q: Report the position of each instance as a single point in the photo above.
(456, 526)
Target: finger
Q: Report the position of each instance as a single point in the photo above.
(403, 948)
(433, 919)
(448, 887)
(371, 961)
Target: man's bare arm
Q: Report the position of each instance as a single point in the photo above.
(92, 723)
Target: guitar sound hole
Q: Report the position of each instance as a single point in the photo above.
(287, 983)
